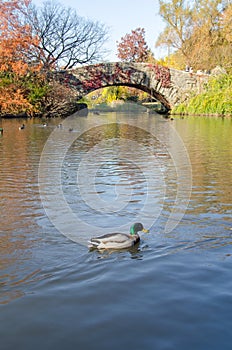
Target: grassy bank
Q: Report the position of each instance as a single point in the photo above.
(216, 99)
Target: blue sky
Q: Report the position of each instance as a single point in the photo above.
(121, 16)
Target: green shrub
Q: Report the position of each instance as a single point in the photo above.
(216, 98)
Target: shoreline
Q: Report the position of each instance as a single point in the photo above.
(220, 115)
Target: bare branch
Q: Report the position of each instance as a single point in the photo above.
(66, 39)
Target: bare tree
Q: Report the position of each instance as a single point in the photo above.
(66, 39)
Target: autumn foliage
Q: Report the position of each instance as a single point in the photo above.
(16, 39)
(17, 69)
(133, 47)
(197, 33)
(35, 40)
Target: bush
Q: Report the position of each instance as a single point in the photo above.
(216, 98)
(22, 94)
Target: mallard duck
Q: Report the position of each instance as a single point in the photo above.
(118, 240)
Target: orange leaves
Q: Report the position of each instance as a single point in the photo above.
(16, 39)
(20, 68)
(12, 101)
(16, 49)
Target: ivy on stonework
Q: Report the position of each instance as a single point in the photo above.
(162, 74)
(99, 77)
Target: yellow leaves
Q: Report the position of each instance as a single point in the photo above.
(200, 32)
(227, 23)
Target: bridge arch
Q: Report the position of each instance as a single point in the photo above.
(169, 86)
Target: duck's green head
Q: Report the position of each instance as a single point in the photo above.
(137, 227)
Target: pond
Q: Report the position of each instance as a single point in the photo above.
(69, 180)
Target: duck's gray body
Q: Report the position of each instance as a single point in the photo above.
(114, 241)
(118, 240)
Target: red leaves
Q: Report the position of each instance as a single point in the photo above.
(162, 74)
(133, 47)
(98, 76)
(101, 75)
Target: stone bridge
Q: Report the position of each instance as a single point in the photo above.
(169, 86)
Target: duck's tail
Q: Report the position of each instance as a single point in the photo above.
(93, 244)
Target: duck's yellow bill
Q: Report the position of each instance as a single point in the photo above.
(145, 231)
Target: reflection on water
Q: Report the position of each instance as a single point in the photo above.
(122, 175)
(210, 151)
(179, 278)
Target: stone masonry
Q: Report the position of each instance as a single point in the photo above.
(169, 86)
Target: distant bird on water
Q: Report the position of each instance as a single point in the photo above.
(22, 127)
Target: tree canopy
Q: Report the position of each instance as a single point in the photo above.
(133, 47)
(51, 34)
(65, 38)
(199, 33)
(17, 43)
(34, 40)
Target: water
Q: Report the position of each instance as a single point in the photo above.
(173, 291)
